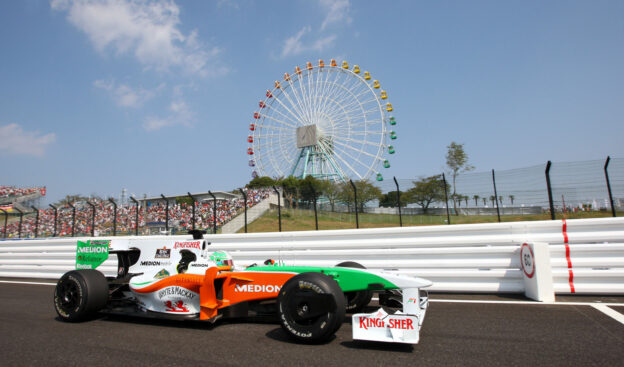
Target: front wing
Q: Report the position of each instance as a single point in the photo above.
(400, 327)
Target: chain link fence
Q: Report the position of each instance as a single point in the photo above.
(557, 190)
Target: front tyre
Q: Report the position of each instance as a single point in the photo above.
(357, 300)
(311, 307)
(79, 294)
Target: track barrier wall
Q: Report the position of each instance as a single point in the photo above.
(583, 256)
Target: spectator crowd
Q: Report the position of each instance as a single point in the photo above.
(15, 192)
(180, 217)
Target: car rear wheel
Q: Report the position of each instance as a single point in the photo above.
(311, 307)
(79, 294)
(356, 301)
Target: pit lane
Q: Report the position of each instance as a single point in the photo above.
(458, 330)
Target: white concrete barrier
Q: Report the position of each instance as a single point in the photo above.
(586, 256)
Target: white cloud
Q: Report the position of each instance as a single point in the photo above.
(149, 30)
(337, 11)
(181, 114)
(14, 140)
(126, 96)
(295, 46)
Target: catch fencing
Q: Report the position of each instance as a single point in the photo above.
(586, 255)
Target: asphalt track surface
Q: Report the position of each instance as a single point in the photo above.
(454, 333)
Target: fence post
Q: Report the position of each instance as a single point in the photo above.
(214, 213)
(6, 217)
(166, 213)
(245, 197)
(279, 208)
(136, 216)
(448, 215)
(36, 220)
(495, 195)
(357, 220)
(609, 184)
(193, 215)
(55, 216)
(398, 201)
(92, 218)
(314, 201)
(114, 216)
(19, 228)
(550, 199)
(73, 217)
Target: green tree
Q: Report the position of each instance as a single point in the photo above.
(366, 192)
(260, 182)
(291, 186)
(331, 191)
(511, 198)
(389, 200)
(426, 191)
(184, 200)
(476, 198)
(71, 199)
(457, 163)
(310, 187)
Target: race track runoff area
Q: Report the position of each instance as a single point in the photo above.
(458, 330)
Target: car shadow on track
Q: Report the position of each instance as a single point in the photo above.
(381, 346)
(181, 323)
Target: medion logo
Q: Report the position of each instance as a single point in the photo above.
(257, 288)
(155, 263)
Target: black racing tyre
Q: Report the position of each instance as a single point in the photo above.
(311, 307)
(356, 301)
(79, 294)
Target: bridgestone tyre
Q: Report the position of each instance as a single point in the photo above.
(79, 294)
(356, 301)
(311, 307)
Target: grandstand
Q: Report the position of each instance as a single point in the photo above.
(97, 215)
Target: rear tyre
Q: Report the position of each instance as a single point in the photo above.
(79, 294)
(311, 307)
(356, 301)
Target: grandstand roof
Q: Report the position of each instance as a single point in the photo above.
(200, 196)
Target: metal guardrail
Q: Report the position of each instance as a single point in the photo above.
(586, 255)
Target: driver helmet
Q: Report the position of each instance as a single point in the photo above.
(222, 258)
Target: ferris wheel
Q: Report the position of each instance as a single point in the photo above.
(325, 121)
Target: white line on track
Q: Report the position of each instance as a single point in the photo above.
(609, 312)
(16, 282)
(534, 303)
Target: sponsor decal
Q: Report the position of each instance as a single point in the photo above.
(373, 322)
(412, 300)
(188, 244)
(155, 263)
(91, 254)
(257, 288)
(200, 265)
(161, 274)
(163, 253)
(176, 291)
(179, 306)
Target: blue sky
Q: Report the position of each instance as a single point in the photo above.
(157, 96)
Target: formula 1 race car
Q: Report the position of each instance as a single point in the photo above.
(182, 279)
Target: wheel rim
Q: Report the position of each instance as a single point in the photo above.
(68, 296)
(306, 307)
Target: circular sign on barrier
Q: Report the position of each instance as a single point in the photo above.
(527, 260)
